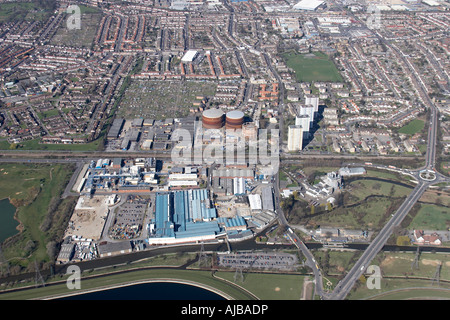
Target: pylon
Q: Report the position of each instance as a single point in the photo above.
(415, 264)
(437, 274)
(238, 274)
(202, 258)
(39, 281)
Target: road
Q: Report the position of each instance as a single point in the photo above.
(310, 261)
(345, 285)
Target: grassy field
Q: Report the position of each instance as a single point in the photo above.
(32, 188)
(336, 262)
(269, 286)
(367, 204)
(362, 189)
(370, 215)
(412, 127)
(36, 145)
(396, 267)
(423, 293)
(31, 11)
(263, 285)
(431, 217)
(312, 67)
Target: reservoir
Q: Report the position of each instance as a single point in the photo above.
(7, 222)
(150, 291)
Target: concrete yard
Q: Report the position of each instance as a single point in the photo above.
(88, 218)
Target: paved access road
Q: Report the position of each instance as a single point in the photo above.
(346, 284)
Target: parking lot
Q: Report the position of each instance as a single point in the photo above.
(129, 218)
(277, 260)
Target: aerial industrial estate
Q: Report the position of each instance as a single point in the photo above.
(296, 142)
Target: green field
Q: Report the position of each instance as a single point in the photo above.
(431, 217)
(414, 294)
(367, 205)
(36, 145)
(312, 67)
(264, 286)
(412, 127)
(31, 11)
(400, 281)
(366, 202)
(33, 188)
(269, 286)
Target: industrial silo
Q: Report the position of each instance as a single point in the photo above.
(234, 119)
(213, 119)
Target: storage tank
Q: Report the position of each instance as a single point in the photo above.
(234, 119)
(212, 119)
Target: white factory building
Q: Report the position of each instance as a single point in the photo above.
(189, 56)
(309, 5)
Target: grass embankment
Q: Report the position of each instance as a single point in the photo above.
(400, 280)
(36, 144)
(35, 190)
(200, 277)
(266, 286)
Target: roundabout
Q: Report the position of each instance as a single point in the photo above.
(427, 175)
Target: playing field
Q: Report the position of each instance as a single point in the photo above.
(431, 217)
(312, 67)
(413, 127)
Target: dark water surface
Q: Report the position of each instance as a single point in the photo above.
(7, 222)
(151, 291)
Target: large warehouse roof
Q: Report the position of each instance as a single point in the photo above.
(308, 4)
(267, 199)
(189, 56)
(255, 201)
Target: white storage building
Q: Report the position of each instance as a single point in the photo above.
(255, 202)
(189, 56)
